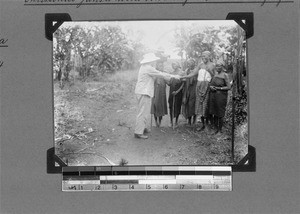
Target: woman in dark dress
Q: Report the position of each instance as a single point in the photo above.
(189, 94)
(175, 95)
(159, 101)
(219, 87)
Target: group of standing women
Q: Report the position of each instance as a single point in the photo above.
(200, 94)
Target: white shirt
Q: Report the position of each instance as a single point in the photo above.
(145, 82)
(204, 75)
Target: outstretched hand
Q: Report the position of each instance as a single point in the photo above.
(183, 78)
(213, 88)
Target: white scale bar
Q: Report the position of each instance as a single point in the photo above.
(157, 181)
(137, 177)
(162, 177)
(74, 182)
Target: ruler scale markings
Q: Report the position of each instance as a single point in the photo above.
(149, 178)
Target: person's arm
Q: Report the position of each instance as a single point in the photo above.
(176, 92)
(192, 74)
(212, 70)
(155, 73)
(227, 87)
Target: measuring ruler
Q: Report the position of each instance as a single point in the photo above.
(147, 178)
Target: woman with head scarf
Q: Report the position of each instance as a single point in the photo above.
(189, 94)
(175, 95)
(159, 106)
(219, 87)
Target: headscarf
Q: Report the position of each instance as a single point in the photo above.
(176, 65)
(206, 53)
(219, 66)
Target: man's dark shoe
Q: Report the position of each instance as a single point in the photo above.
(140, 136)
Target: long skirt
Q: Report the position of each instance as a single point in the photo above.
(202, 94)
(189, 99)
(177, 102)
(218, 99)
(159, 101)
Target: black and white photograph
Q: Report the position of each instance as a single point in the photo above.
(161, 92)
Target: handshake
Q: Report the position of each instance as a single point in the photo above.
(176, 77)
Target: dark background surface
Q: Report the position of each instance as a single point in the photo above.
(27, 123)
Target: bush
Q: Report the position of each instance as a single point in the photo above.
(240, 109)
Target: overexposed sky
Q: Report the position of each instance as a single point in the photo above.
(154, 34)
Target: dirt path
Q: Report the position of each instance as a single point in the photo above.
(108, 111)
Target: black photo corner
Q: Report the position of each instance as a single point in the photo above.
(244, 19)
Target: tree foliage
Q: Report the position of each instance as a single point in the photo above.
(102, 49)
(192, 40)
